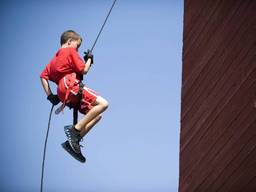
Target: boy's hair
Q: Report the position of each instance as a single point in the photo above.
(69, 34)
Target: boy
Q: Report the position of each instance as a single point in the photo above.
(66, 69)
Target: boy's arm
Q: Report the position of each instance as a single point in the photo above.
(44, 80)
(79, 65)
(44, 76)
(46, 86)
(87, 66)
(52, 98)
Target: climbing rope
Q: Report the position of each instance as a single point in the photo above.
(45, 143)
(103, 25)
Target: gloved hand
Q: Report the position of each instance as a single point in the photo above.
(88, 54)
(54, 99)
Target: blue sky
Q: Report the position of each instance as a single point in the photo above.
(137, 69)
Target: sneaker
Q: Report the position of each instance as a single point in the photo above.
(77, 156)
(73, 137)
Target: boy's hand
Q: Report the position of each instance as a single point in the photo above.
(54, 99)
(88, 55)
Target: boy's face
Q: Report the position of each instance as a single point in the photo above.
(75, 43)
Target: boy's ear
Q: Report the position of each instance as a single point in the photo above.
(69, 41)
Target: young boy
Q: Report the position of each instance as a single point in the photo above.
(66, 69)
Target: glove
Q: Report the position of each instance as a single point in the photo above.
(88, 55)
(54, 99)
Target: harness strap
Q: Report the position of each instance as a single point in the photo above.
(75, 110)
(75, 116)
(73, 82)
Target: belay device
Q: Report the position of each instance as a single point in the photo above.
(75, 110)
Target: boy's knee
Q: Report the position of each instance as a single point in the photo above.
(103, 102)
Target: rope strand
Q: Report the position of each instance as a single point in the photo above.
(45, 143)
(103, 25)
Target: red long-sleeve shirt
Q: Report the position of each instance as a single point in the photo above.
(65, 61)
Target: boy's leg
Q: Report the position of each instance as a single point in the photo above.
(90, 125)
(84, 131)
(74, 132)
(99, 107)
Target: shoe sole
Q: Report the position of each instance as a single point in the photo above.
(71, 152)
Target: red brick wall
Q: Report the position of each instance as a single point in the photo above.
(218, 117)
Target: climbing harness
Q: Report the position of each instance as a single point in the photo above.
(69, 84)
(75, 110)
